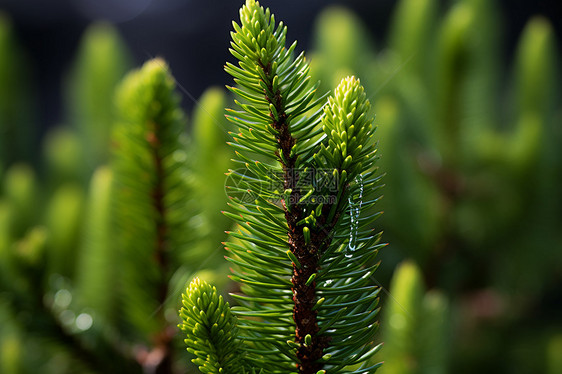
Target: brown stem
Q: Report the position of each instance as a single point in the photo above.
(304, 296)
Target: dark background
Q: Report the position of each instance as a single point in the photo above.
(193, 36)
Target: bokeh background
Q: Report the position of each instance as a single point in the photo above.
(467, 98)
(181, 30)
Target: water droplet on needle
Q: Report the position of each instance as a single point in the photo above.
(354, 212)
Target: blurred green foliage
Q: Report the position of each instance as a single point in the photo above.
(97, 263)
(470, 145)
(101, 62)
(96, 247)
(471, 153)
(415, 326)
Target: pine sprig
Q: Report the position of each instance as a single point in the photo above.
(151, 195)
(303, 199)
(348, 314)
(211, 329)
(275, 91)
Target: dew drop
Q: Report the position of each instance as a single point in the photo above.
(354, 212)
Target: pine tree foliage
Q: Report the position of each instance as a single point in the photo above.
(102, 61)
(98, 264)
(471, 162)
(67, 201)
(415, 325)
(410, 32)
(554, 360)
(62, 155)
(211, 328)
(21, 191)
(151, 194)
(342, 47)
(303, 197)
(209, 157)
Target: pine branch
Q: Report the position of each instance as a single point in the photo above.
(303, 200)
(211, 329)
(308, 222)
(276, 74)
(151, 191)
